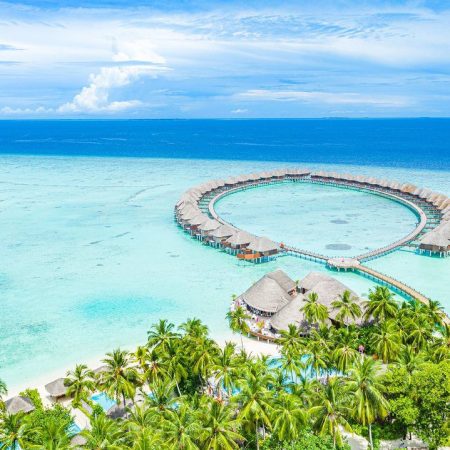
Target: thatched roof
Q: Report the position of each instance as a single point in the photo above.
(209, 225)
(266, 295)
(19, 404)
(198, 219)
(312, 279)
(435, 239)
(190, 213)
(425, 193)
(327, 288)
(223, 231)
(282, 279)
(262, 244)
(56, 388)
(290, 314)
(240, 238)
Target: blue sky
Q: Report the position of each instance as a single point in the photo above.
(183, 59)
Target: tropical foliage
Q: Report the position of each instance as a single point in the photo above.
(181, 390)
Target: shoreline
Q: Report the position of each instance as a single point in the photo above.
(250, 345)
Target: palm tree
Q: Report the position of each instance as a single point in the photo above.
(366, 391)
(330, 415)
(254, 397)
(317, 358)
(13, 431)
(313, 310)
(144, 439)
(161, 335)
(140, 356)
(51, 435)
(141, 417)
(347, 306)
(203, 358)
(220, 427)
(3, 389)
(288, 417)
(162, 396)
(176, 368)
(104, 434)
(409, 359)
(80, 383)
(156, 367)
(237, 321)
(381, 305)
(345, 353)
(441, 346)
(226, 369)
(118, 379)
(386, 340)
(290, 341)
(181, 429)
(194, 328)
(435, 311)
(418, 332)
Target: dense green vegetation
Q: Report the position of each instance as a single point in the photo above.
(184, 391)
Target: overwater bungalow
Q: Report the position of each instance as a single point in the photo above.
(239, 240)
(18, 404)
(208, 226)
(221, 233)
(260, 248)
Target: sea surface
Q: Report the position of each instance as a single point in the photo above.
(90, 256)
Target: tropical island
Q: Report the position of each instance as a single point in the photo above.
(385, 380)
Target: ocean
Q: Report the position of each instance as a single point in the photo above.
(90, 256)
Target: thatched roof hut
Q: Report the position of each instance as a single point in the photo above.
(224, 231)
(240, 238)
(56, 388)
(198, 219)
(290, 314)
(308, 283)
(209, 225)
(18, 404)
(287, 283)
(425, 193)
(118, 411)
(263, 245)
(266, 296)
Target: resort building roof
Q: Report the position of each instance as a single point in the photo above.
(266, 295)
(209, 225)
(198, 219)
(262, 244)
(223, 231)
(287, 283)
(290, 314)
(19, 404)
(240, 238)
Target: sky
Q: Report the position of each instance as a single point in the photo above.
(224, 59)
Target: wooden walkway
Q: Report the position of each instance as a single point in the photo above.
(424, 220)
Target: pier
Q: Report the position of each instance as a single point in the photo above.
(195, 213)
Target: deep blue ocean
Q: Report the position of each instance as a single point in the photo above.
(410, 143)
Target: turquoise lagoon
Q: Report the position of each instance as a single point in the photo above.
(91, 257)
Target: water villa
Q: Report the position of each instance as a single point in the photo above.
(195, 214)
(56, 388)
(276, 301)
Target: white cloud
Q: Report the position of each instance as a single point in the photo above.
(343, 98)
(239, 111)
(8, 111)
(96, 96)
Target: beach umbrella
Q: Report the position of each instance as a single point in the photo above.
(56, 388)
(19, 404)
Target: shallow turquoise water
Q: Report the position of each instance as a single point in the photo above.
(328, 220)
(91, 257)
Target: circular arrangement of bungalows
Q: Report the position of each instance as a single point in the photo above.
(276, 301)
(193, 211)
